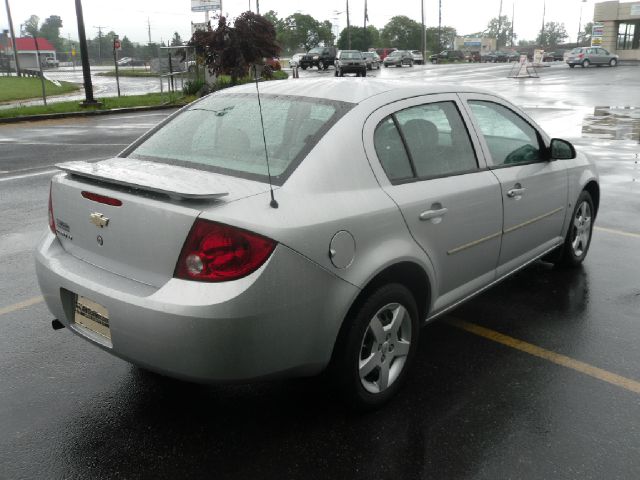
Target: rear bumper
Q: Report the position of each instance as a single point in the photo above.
(282, 320)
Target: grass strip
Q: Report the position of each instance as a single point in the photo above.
(21, 88)
(150, 99)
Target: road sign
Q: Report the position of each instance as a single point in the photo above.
(73, 52)
(116, 44)
(205, 5)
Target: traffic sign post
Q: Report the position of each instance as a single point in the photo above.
(116, 46)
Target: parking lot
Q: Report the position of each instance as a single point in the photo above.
(537, 378)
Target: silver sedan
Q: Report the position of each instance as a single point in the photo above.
(210, 252)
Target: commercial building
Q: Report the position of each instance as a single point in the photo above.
(619, 31)
(26, 48)
(474, 44)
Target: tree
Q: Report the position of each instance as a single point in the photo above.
(361, 39)
(30, 26)
(176, 41)
(447, 36)
(401, 32)
(304, 31)
(234, 49)
(553, 34)
(50, 30)
(584, 37)
(500, 29)
(128, 49)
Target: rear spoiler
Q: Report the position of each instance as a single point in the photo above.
(177, 182)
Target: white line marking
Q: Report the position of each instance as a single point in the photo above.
(27, 175)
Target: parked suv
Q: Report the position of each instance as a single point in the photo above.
(321, 57)
(585, 56)
(455, 55)
(350, 61)
(398, 58)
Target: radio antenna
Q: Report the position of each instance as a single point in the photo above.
(273, 203)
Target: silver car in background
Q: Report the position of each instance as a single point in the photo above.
(586, 56)
(381, 206)
(372, 59)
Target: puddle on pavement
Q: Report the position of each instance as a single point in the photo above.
(613, 123)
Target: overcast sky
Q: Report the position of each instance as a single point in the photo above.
(129, 17)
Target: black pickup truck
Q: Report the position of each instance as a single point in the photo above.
(321, 57)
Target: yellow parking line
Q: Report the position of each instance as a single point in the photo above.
(558, 359)
(617, 232)
(21, 305)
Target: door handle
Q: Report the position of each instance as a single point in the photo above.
(516, 192)
(433, 214)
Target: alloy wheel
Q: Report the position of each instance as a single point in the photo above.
(581, 229)
(384, 348)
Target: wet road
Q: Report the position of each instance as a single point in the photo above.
(480, 403)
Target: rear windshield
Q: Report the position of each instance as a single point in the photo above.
(351, 55)
(222, 133)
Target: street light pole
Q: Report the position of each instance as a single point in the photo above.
(13, 39)
(348, 28)
(84, 55)
(580, 23)
(423, 40)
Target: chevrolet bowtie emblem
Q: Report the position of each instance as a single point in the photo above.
(99, 220)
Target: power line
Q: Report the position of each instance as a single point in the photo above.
(100, 27)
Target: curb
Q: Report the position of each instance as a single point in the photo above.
(88, 113)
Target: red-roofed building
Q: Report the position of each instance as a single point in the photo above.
(26, 48)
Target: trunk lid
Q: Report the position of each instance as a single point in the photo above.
(142, 238)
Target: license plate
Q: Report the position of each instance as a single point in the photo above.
(92, 316)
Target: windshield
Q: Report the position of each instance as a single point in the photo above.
(315, 50)
(222, 133)
(397, 53)
(350, 55)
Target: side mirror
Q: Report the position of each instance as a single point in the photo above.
(561, 150)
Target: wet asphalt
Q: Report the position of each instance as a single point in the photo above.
(474, 407)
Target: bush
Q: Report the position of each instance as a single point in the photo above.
(192, 87)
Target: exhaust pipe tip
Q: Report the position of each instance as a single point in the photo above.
(56, 324)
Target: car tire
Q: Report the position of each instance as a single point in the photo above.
(411, 64)
(586, 63)
(304, 67)
(434, 61)
(376, 347)
(335, 73)
(578, 239)
(571, 66)
(386, 65)
(341, 73)
(613, 62)
(321, 65)
(364, 73)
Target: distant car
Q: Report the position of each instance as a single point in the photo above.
(396, 201)
(472, 56)
(585, 56)
(372, 59)
(50, 62)
(398, 58)
(451, 55)
(130, 62)
(294, 61)
(321, 57)
(417, 56)
(350, 61)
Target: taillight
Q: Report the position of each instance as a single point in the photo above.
(114, 202)
(52, 220)
(214, 252)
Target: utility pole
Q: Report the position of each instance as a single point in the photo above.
(348, 28)
(13, 39)
(544, 11)
(580, 23)
(257, 6)
(44, 94)
(439, 24)
(100, 27)
(513, 20)
(149, 28)
(423, 32)
(84, 54)
(499, 27)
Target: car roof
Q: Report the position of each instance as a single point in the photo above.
(352, 92)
